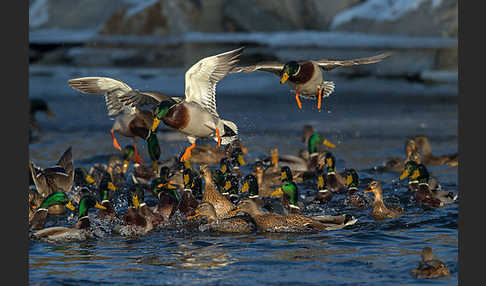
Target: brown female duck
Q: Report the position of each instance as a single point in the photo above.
(221, 205)
(380, 211)
(240, 224)
(430, 267)
(429, 159)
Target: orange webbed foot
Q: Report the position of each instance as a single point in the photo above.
(187, 153)
(298, 100)
(115, 142)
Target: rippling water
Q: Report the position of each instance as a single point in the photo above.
(366, 128)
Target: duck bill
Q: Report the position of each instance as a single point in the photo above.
(227, 186)
(245, 187)
(186, 179)
(155, 124)
(89, 179)
(277, 193)
(241, 160)
(126, 163)
(284, 78)
(70, 206)
(328, 144)
(349, 180)
(283, 176)
(98, 206)
(244, 149)
(111, 187)
(415, 174)
(404, 175)
(135, 201)
(235, 211)
(196, 214)
(368, 191)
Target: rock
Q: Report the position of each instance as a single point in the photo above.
(407, 17)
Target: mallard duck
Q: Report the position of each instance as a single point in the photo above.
(35, 200)
(230, 188)
(239, 224)
(220, 175)
(78, 230)
(305, 77)
(196, 115)
(192, 187)
(352, 195)
(315, 141)
(266, 183)
(323, 194)
(154, 219)
(380, 211)
(51, 179)
(37, 105)
(104, 189)
(430, 267)
(38, 219)
(192, 181)
(412, 172)
(335, 181)
(296, 163)
(167, 195)
(289, 197)
(134, 217)
(423, 145)
(211, 195)
(292, 222)
(121, 102)
(237, 161)
(82, 178)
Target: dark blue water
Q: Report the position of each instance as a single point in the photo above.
(367, 129)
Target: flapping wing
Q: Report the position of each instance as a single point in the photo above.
(273, 67)
(142, 98)
(66, 161)
(202, 77)
(111, 88)
(328, 64)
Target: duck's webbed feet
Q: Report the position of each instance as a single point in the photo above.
(115, 142)
(187, 153)
(319, 99)
(298, 100)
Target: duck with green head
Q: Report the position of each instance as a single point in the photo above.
(82, 178)
(137, 193)
(196, 115)
(221, 204)
(305, 77)
(237, 161)
(134, 216)
(220, 175)
(38, 220)
(106, 186)
(76, 231)
(352, 195)
(335, 181)
(167, 195)
(425, 194)
(315, 141)
(192, 190)
(289, 192)
(323, 193)
(230, 188)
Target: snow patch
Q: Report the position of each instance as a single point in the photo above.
(380, 10)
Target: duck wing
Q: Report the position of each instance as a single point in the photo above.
(66, 162)
(329, 64)
(202, 77)
(273, 67)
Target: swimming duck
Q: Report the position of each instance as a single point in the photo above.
(122, 102)
(352, 195)
(430, 267)
(153, 218)
(239, 224)
(289, 197)
(423, 145)
(315, 141)
(82, 178)
(221, 204)
(103, 192)
(305, 77)
(192, 181)
(134, 217)
(192, 187)
(167, 195)
(220, 175)
(323, 194)
(76, 231)
(274, 222)
(59, 176)
(296, 163)
(37, 105)
(266, 183)
(335, 181)
(196, 115)
(230, 188)
(237, 161)
(380, 211)
(38, 219)
(412, 172)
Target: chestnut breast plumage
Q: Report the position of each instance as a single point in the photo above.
(177, 117)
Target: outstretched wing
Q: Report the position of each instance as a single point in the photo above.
(328, 64)
(273, 67)
(202, 77)
(142, 98)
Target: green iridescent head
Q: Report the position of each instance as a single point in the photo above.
(352, 179)
(330, 162)
(410, 170)
(58, 198)
(291, 68)
(160, 185)
(321, 179)
(162, 108)
(86, 203)
(290, 189)
(230, 185)
(105, 186)
(286, 174)
(128, 152)
(250, 183)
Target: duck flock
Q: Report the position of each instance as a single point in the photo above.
(212, 188)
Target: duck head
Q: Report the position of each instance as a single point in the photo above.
(330, 162)
(82, 177)
(248, 206)
(375, 188)
(352, 179)
(288, 188)
(237, 159)
(410, 170)
(286, 174)
(136, 196)
(57, 198)
(225, 166)
(160, 112)
(105, 186)
(290, 69)
(249, 183)
(205, 210)
(128, 152)
(87, 202)
(427, 254)
(274, 156)
(315, 140)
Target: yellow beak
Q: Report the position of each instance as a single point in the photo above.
(111, 187)
(368, 191)
(320, 182)
(245, 187)
(241, 160)
(89, 179)
(227, 185)
(98, 206)
(349, 180)
(404, 175)
(328, 144)
(187, 164)
(186, 178)
(135, 201)
(126, 163)
(277, 193)
(155, 124)
(415, 174)
(194, 216)
(223, 169)
(70, 206)
(234, 211)
(284, 78)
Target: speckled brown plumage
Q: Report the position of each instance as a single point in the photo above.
(211, 195)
